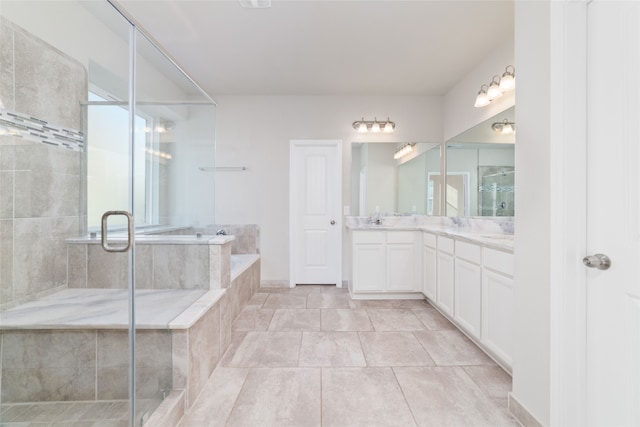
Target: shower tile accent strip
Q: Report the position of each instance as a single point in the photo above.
(497, 188)
(37, 130)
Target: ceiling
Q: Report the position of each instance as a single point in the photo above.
(326, 47)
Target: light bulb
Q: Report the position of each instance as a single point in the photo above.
(507, 128)
(388, 127)
(375, 127)
(494, 91)
(482, 100)
(508, 80)
(362, 127)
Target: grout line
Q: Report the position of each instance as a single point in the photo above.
(393, 370)
(235, 401)
(425, 348)
(367, 365)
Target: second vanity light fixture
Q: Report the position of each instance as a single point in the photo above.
(364, 126)
(496, 87)
(404, 150)
(504, 127)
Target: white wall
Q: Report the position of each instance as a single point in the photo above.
(531, 350)
(255, 132)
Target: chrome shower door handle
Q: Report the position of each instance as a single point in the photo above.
(103, 232)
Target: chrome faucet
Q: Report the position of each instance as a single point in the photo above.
(221, 232)
(377, 220)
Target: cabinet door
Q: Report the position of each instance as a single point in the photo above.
(400, 267)
(368, 267)
(497, 314)
(468, 303)
(429, 265)
(445, 274)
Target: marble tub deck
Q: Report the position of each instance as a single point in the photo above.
(108, 309)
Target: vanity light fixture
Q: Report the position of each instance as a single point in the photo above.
(482, 99)
(157, 153)
(404, 150)
(494, 91)
(504, 127)
(164, 126)
(375, 127)
(496, 87)
(364, 126)
(508, 80)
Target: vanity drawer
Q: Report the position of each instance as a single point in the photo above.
(430, 240)
(445, 244)
(400, 236)
(368, 237)
(468, 251)
(502, 262)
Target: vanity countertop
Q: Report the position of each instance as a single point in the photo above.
(492, 233)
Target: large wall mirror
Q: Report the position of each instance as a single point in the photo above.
(385, 185)
(479, 174)
(480, 169)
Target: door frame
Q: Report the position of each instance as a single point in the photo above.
(295, 144)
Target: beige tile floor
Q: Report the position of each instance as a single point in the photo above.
(311, 356)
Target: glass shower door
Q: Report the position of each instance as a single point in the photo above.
(93, 118)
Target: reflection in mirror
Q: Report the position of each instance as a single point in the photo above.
(480, 170)
(382, 185)
(480, 180)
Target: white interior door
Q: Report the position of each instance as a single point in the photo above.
(316, 223)
(613, 213)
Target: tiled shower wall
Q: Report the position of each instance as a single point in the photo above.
(40, 184)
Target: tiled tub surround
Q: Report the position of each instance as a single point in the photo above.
(181, 336)
(247, 236)
(162, 262)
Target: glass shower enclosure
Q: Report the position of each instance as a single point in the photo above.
(106, 154)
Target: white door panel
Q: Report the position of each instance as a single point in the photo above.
(315, 189)
(613, 214)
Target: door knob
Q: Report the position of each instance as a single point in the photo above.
(333, 222)
(599, 261)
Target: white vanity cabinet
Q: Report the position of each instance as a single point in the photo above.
(445, 275)
(429, 262)
(385, 262)
(497, 302)
(401, 261)
(468, 287)
(472, 285)
(369, 255)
